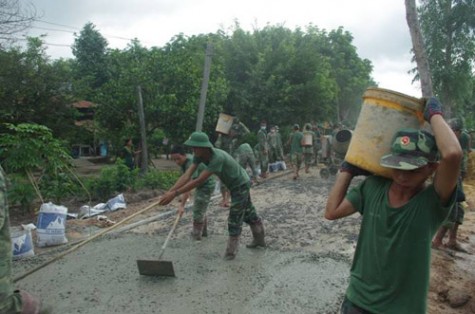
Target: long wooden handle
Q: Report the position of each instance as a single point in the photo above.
(178, 216)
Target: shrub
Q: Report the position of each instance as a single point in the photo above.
(112, 179)
(155, 179)
(21, 193)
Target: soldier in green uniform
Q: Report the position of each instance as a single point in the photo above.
(391, 265)
(244, 155)
(457, 213)
(280, 145)
(272, 141)
(234, 177)
(11, 301)
(295, 143)
(263, 148)
(202, 193)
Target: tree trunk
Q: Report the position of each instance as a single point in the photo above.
(419, 50)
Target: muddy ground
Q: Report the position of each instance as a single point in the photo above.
(304, 270)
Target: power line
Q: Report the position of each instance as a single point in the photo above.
(53, 29)
(51, 23)
(75, 28)
(43, 42)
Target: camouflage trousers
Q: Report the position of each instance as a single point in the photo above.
(273, 155)
(10, 301)
(296, 159)
(241, 210)
(280, 153)
(248, 159)
(263, 161)
(307, 155)
(200, 203)
(307, 158)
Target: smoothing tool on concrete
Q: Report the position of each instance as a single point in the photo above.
(158, 267)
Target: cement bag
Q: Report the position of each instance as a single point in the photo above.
(22, 244)
(51, 225)
(281, 165)
(116, 203)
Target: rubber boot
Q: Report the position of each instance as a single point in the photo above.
(232, 248)
(258, 235)
(30, 303)
(197, 230)
(205, 227)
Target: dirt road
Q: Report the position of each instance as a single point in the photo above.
(304, 270)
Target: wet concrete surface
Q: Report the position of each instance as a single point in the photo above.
(304, 270)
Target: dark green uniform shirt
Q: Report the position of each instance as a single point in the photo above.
(208, 184)
(296, 142)
(226, 168)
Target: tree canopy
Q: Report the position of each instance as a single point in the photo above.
(281, 75)
(447, 27)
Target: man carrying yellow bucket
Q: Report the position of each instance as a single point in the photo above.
(400, 215)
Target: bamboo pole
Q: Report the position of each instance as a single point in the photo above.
(77, 246)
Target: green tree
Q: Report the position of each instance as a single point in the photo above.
(448, 30)
(352, 74)
(35, 90)
(291, 76)
(170, 79)
(90, 71)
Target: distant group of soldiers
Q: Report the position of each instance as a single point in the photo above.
(308, 146)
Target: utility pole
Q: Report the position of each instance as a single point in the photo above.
(143, 135)
(204, 87)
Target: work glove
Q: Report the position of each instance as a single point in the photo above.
(353, 170)
(432, 107)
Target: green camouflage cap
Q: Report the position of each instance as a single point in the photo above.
(198, 139)
(411, 149)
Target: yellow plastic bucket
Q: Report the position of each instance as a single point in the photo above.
(382, 114)
(224, 124)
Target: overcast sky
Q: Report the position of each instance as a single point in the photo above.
(379, 27)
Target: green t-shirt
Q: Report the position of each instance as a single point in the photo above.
(295, 142)
(390, 271)
(208, 184)
(244, 148)
(226, 168)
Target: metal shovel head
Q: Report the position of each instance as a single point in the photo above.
(155, 268)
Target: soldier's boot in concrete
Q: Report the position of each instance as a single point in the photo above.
(30, 303)
(197, 230)
(258, 235)
(232, 248)
(204, 233)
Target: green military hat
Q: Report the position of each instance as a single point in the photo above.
(198, 139)
(410, 149)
